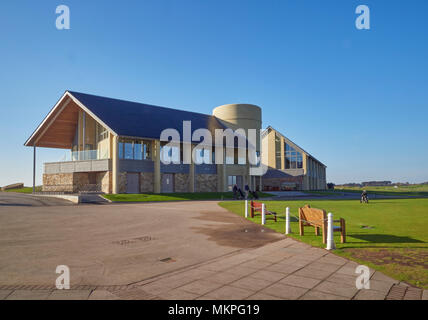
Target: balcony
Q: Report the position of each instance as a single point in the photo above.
(80, 161)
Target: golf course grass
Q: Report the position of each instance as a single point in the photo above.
(388, 235)
(416, 190)
(145, 197)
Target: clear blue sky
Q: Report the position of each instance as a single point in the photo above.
(356, 100)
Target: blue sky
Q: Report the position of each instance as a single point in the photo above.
(357, 100)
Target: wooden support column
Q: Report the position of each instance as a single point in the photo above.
(34, 168)
(115, 165)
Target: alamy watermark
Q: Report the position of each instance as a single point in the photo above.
(363, 280)
(363, 20)
(228, 144)
(63, 280)
(63, 20)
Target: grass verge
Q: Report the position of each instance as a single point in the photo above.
(145, 197)
(25, 190)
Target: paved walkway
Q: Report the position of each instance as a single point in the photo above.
(285, 269)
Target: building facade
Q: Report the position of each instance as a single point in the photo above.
(114, 146)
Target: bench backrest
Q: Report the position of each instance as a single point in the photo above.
(313, 216)
(256, 205)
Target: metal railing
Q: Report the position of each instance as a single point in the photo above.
(84, 155)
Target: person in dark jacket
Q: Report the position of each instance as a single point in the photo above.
(247, 190)
(235, 191)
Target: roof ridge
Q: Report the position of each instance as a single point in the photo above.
(135, 102)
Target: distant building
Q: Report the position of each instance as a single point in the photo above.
(290, 166)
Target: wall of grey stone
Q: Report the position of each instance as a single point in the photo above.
(122, 182)
(181, 182)
(206, 183)
(146, 182)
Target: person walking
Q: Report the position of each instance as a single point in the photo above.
(247, 190)
(235, 191)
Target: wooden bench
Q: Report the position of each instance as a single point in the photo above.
(312, 217)
(256, 210)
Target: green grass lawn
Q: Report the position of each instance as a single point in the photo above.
(420, 190)
(388, 235)
(25, 190)
(144, 197)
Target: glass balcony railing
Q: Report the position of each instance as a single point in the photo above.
(84, 155)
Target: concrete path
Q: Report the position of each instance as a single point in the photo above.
(15, 199)
(284, 270)
(185, 250)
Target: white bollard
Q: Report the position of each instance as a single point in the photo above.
(287, 221)
(246, 208)
(330, 239)
(263, 214)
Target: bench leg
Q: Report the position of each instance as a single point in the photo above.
(317, 231)
(324, 233)
(302, 231)
(342, 230)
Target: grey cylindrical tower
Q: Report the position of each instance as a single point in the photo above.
(245, 116)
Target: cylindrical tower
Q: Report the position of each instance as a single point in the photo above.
(245, 116)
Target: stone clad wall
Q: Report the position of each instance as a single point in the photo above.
(181, 182)
(58, 182)
(146, 182)
(206, 183)
(104, 179)
(122, 182)
(75, 182)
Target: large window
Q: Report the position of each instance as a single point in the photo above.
(101, 132)
(134, 149)
(278, 152)
(293, 158)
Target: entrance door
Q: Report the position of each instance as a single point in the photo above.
(132, 183)
(167, 182)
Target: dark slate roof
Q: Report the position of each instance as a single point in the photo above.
(273, 173)
(141, 120)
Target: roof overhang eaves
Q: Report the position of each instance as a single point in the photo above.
(32, 140)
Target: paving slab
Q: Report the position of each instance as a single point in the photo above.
(365, 294)
(340, 289)
(29, 295)
(268, 275)
(5, 293)
(69, 295)
(103, 295)
(284, 291)
(200, 287)
(301, 282)
(262, 296)
(318, 295)
(252, 283)
(229, 293)
(313, 273)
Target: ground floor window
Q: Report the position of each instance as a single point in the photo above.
(231, 181)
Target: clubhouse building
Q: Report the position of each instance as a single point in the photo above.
(114, 146)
